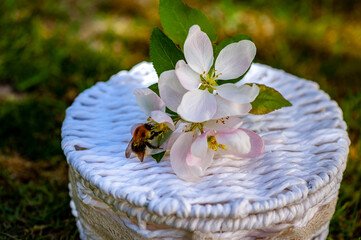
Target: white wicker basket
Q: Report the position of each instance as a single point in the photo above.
(289, 192)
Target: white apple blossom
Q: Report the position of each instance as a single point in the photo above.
(153, 106)
(191, 89)
(209, 112)
(192, 152)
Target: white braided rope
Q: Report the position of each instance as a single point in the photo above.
(305, 156)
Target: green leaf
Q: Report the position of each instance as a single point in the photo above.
(163, 52)
(177, 18)
(268, 100)
(158, 156)
(228, 41)
(170, 112)
(154, 88)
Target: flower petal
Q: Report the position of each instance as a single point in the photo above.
(197, 106)
(238, 94)
(241, 142)
(234, 60)
(198, 50)
(175, 134)
(148, 100)
(227, 108)
(187, 77)
(170, 89)
(257, 144)
(178, 157)
(200, 147)
(237, 142)
(162, 117)
(199, 165)
(223, 123)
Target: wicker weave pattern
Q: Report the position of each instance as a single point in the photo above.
(305, 155)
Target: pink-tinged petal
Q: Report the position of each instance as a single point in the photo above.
(238, 94)
(134, 127)
(178, 157)
(175, 135)
(148, 100)
(162, 117)
(187, 77)
(198, 50)
(257, 144)
(199, 165)
(237, 141)
(241, 142)
(227, 108)
(200, 147)
(234, 60)
(170, 89)
(197, 106)
(223, 123)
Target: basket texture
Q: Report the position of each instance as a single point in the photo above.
(289, 192)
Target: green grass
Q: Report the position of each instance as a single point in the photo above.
(50, 51)
(38, 209)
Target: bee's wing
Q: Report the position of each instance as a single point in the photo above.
(128, 151)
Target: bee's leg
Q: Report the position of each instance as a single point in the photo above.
(140, 156)
(151, 146)
(153, 135)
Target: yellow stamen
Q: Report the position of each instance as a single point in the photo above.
(194, 127)
(209, 80)
(213, 144)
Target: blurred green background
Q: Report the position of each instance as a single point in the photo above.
(50, 51)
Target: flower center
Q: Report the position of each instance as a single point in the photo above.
(194, 127)
(213, 144)
(209, 80)
(160, 128)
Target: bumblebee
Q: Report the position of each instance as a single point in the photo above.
(142, 136)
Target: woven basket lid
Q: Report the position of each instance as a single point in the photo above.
(306, 148)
